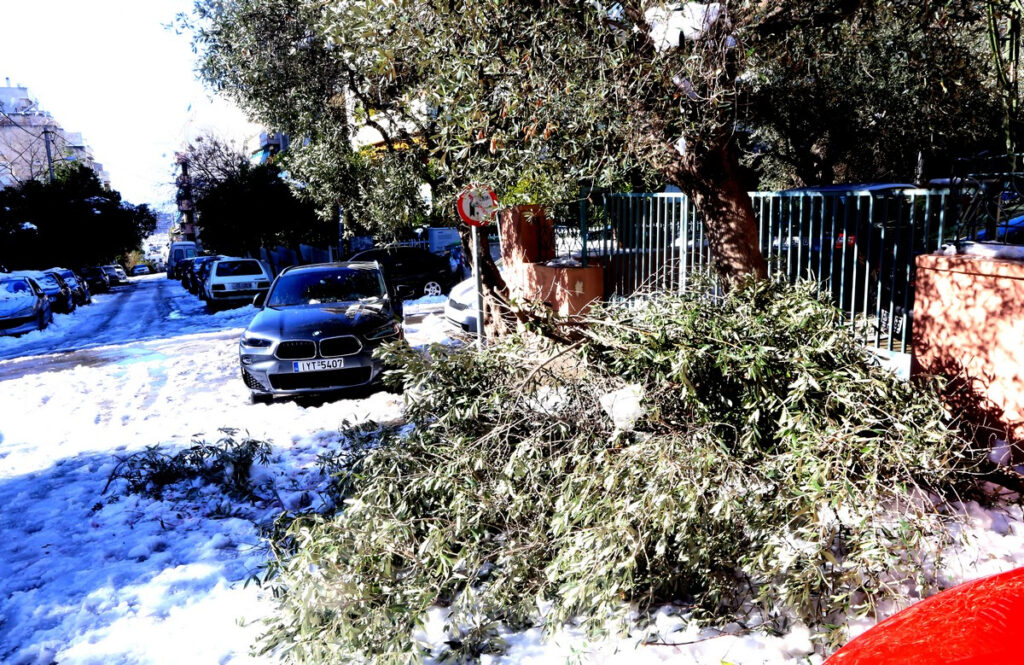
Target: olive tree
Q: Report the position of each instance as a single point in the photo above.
(545, 97)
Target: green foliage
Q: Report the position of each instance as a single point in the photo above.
(256, 208)
(224, 463)
(894, 84)
(775, 473)
(71, 222)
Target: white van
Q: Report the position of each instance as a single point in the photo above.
(178, 252)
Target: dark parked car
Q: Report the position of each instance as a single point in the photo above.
(79, 289)
(412, 272)
(55, 288)
(182, 268)
(24, 306)
(196, 273)
(97, 280)
(316, 330)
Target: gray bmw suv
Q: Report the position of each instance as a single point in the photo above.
(316, 330)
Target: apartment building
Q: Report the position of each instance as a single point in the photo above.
(33, 143)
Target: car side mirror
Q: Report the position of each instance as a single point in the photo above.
(259, 300)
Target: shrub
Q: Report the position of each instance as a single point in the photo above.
(775, 474)
(224, 463)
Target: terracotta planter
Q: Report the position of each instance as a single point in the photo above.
(527, 235)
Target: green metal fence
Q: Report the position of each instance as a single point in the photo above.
(858, 246)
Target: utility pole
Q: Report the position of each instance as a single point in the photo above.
(49, 155)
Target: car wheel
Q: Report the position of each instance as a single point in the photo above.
(433, 288)
(260, 398)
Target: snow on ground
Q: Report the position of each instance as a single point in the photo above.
(88, 577)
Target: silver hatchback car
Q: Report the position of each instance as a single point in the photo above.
(316, 330)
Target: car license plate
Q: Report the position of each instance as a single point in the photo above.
(317, 365)
(242, 286)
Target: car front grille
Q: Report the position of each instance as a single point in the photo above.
(338, 378)
(296, 350)
(346, 345)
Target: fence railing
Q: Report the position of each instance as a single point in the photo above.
(858, 246)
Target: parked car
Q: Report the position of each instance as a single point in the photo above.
(115, 273)
(234, 282)
(316, 330)
(140, 269)
(55, 288)
(460, 308)
(196, 273)
(1011, 232)
(177, 253)
(79, 288)
(412, 272)
(97, 280)
(182, 269)
(24, 306)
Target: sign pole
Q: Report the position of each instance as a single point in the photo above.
(479, 291)
(475, 205)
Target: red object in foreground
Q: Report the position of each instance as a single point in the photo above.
(973, 623)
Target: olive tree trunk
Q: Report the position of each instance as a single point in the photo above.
(712, 179)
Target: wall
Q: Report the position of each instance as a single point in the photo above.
(567, 291)
(969, 324)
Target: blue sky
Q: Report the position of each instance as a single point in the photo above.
(111, 70)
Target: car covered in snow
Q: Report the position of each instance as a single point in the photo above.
(233, 281)
(24, 306)
(62, 300)
(316, 330)
(79, 287)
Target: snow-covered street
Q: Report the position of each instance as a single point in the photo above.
(88, 577)
(136, 580)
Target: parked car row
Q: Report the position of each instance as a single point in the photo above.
(224, 281)
(30, 298)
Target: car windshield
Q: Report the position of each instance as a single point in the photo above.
(46, 279)
(313, 287)
(11, 289)
(232, 268)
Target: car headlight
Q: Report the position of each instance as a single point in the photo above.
(385, 331)
(256, 342)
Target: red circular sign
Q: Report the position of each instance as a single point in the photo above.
(476, 204)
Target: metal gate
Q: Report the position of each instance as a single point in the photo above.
(858, 246)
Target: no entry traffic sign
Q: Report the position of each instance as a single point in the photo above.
(476, 204)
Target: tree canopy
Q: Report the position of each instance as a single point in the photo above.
(538, 97)
(255, 208)
(73, 221)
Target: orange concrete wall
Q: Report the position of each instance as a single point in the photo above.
(568, 291)
(969, 319)
(527, 235)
